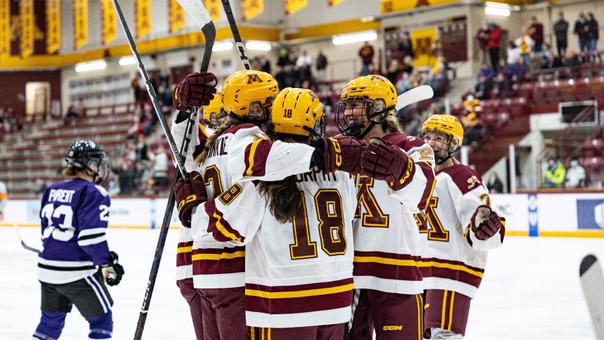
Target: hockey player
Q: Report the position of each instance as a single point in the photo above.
(387, 272)
(461, 226)
(294, 287)
(213, 113)
(76, 263)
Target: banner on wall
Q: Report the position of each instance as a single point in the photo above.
(53, 26)
(176, 19)
(334, 2)
(143, 18)
(109, 30)
(80, 23)
(26, 14)
(214, 10)
(590, 213)
(388, 6)
(293, 6)
(423, 39)
(4, 28)
(251, 9)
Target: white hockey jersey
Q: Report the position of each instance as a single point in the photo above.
(242, 152)
(387, 240)
(298, 273)
(453, 258)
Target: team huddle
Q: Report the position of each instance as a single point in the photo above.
(288, 233)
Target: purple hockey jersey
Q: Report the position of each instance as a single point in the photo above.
(74, 216)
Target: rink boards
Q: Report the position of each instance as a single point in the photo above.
(543, 214)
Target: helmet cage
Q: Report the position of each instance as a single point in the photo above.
(355, 116)
(444, 148)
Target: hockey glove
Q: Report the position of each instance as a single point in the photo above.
(196, 90)
(385, 161)
(188, 196)
(485, 223)
(113, 272)
(338, 153)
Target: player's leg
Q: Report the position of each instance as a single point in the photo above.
(362, 325)
(193, 298)
(229, 312)
(54, 308)
(208, 316)
(446, 314)
(297, 333)
(398, 316)
(91, 297)
(331, 332)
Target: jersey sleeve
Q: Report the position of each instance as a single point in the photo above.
(253, 156)
(178, 133)
(93, 217)
(416, 186)
(233, 217)
(468, 196)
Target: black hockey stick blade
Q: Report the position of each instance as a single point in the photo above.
(586, 263)
(236, 36)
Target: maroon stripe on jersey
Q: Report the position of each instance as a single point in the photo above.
(387, 255)
(218, 251)
(259, 157)
(298, 287)
(451, 273)
(298, 304)
(429, 173)
(183, 259)
(385, 270)
(217, 225)
(222, 266)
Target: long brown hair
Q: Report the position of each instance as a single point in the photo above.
(284, 198)
(390, 124)
(226, 123)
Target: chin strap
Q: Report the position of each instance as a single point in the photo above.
(450, 155)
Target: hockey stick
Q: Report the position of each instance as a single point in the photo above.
(592, 281)
(209, 32)
(236, 36)
(415, 95)
(23, 244)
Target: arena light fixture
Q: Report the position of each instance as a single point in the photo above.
(95, 65)
(127, 61)
(354, 38)
(258, 46)
(224, 45)
(497, 9)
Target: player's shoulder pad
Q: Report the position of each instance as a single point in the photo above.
(235, 128)
(464, 177)
(403, 141)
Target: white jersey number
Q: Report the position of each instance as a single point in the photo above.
(65, 230)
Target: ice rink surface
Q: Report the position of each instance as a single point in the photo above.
(531, 290)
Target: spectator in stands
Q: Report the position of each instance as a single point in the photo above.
(2, 123)
(394, 71)
(138, 89)
(501, 86)
(482, 90)
(555, 174)
(505, 69)
(571, 59)
(321, 65)
(526, 44)
(536, 33)
(513, 52)
(265, 64)
(535, 62)
(74, 111)
(160, 168)
(519, 70)
(303, 66)
(482, 37)
(471, 121)
(406, 46)
(561, 33)
(164, 95)
(575, 176)
(494, 184)
(485, 71)
(366, 54)
(494, 43)
(593, 35)
(552, 61)
(582, 32)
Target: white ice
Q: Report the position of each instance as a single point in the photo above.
(531, 290)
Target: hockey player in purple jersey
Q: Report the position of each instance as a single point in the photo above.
(76, 263)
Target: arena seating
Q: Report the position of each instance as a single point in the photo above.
(37, 152)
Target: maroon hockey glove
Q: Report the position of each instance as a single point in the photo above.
(196, 90)
(188, 196)
(339, 153)
(485, 223)
(385, 161)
